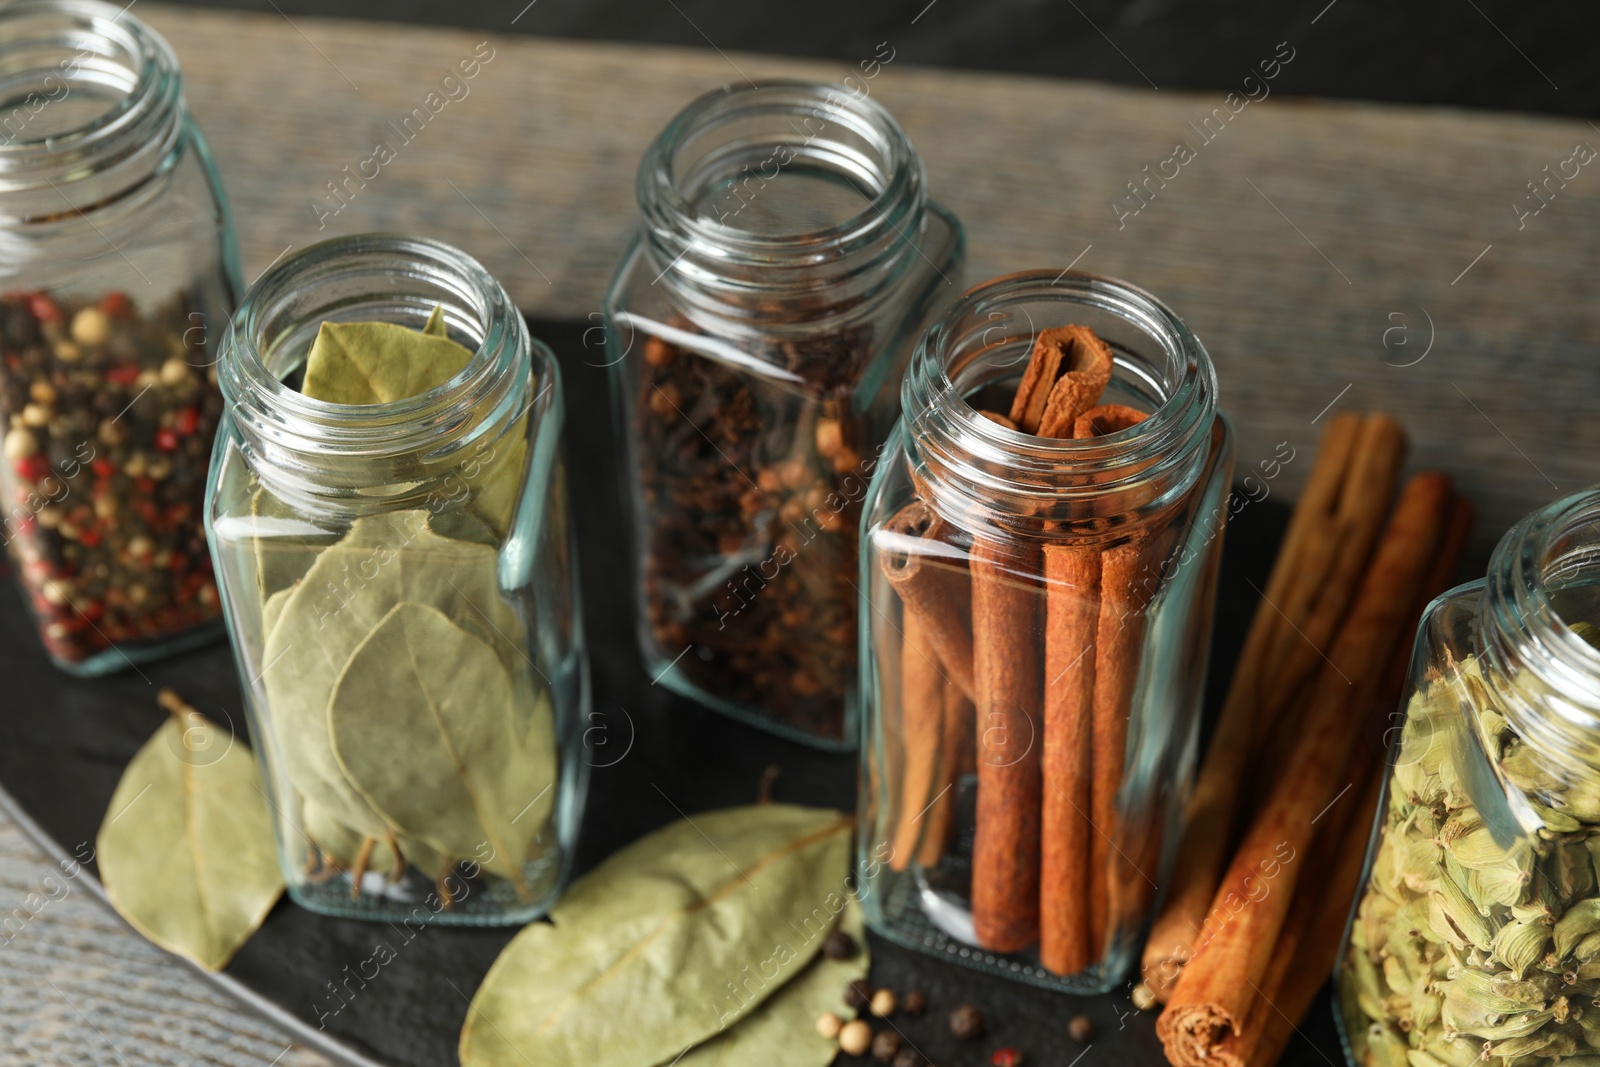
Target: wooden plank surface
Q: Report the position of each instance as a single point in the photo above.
(1314, 247)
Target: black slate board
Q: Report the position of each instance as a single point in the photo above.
(64, 742)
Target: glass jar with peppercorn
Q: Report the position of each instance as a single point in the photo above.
(1477, 936)
(117, 273)
(1039, 559)
(757, 332)
(388, 512)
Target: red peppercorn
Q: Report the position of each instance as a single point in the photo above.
(32, 468)
(126, 374)
(43, 308)
(146, 485)
(166, 440)
(115, 304)
(93, 610)
(188, 421)
(88, 539)
(1006, 1057)
(103, 467)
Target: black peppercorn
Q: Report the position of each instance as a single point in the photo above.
(857, 994)
(1081, 1029)
(909, 1057)
(966, 1022)
(839, 945)
(885, 1045)
(914, 1003)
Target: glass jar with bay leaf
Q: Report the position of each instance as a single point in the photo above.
(117, 273)
(756, 332)
(388, 513)
(1477, 937)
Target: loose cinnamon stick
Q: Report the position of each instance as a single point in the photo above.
(1006, 672)
(1218, 987)
(1290, 996)
(1336, 553)
(955, 743)
(935, 588)
(922, 685)
(1066, 373)
(1210, 824)
(1119, 639)
(1072, 610)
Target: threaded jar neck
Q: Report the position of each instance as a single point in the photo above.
(781, 206)
(1544, 577)
(982, 474)
(91, 111)
(318, 448)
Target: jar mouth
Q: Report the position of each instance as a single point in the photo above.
(769, 196)
(1543, 569)
(985, 340)
(85, 89)
(372, 277)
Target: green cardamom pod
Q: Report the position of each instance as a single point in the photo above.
(1385, 1048)
(1527, 1045)
(1520, 945)
(1536, 990)
(1472, 1007)
(1454, 1051)
(1369, 986)
(1503, 885)
(1425, 1009)
(1515, 1026)
(1418, 1058)
(1570, 870)
(1558, 822)
(1581, 920)
(1456, 919)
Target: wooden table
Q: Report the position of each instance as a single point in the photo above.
(1329, 255)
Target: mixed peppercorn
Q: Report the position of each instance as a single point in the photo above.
(751, 492)
(107, 415)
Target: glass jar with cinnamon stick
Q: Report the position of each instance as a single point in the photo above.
(1039, 557)
(1477, 935)
(757, 332)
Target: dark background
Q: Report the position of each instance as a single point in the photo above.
(1508, 55)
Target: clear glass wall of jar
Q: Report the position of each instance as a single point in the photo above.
(1477, 936)
(117, 275)
(758, 330)
(1034, 635)
(401, 595)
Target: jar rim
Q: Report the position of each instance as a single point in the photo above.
(898, 191)
(150, 111)
(1040, 472)
(306, 425)
(1522, 626)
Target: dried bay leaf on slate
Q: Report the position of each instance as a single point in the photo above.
(634, 964)
(425, 725)
(781, 1032)
(186, 851)
(378, 362)
(435, 326)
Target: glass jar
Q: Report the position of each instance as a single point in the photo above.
(401, 594)
(1478, 931)
(1035, 627)
(757, 332)
(117, 273)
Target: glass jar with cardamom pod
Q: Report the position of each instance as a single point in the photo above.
(117, 275)
(1039, 560)
(1477, 935)
(388, 513)
(757, 332)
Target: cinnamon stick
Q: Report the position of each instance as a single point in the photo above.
(1218, 987)
(1119, 639)
(922, 685)
(939, 821)
(1006, 672)
(1072, 610)
(1211, 821)
(1287, 998)
(1067, 371)
(934, 586)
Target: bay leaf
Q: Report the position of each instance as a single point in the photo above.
(186, 851)
(782, 1031)
(343, 845)
(435, 326)
(425, 724)
(378, 363)
(635, 963)
(383, 561)
(272, 610)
